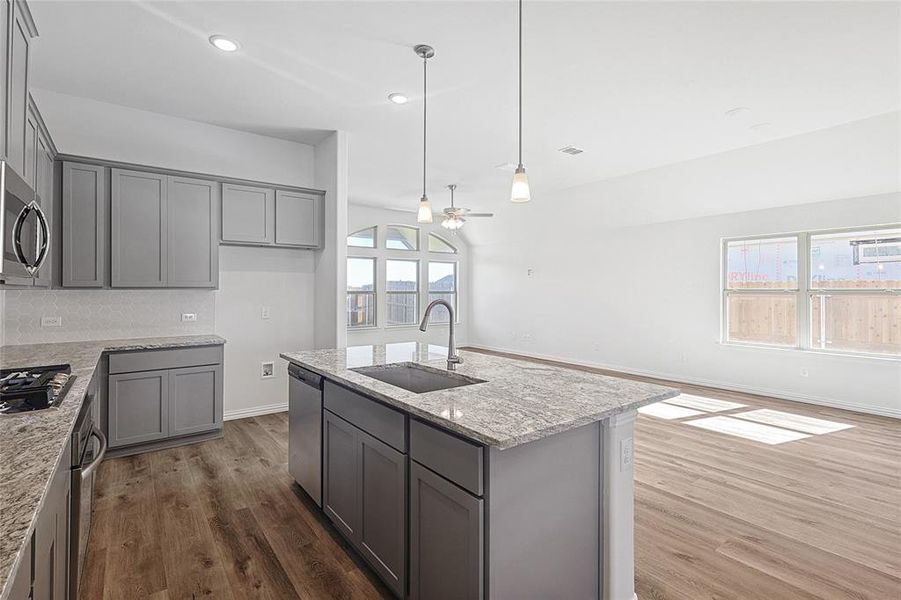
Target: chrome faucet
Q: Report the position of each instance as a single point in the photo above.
(452, 358)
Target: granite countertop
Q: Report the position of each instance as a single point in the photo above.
(519, 401)
(32, 443)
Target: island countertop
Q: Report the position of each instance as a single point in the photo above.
(519, 401)
(33, 442)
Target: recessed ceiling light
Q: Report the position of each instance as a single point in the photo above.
(571, 150)
(223, 43)
(398, 98)
(740, 112)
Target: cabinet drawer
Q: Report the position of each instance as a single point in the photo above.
(449, 456)
(376, 419)
(152, 360)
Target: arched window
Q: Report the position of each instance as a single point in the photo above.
(401, 237)
(365, 238)
(439, 244)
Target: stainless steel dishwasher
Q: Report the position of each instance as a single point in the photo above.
(305, 430)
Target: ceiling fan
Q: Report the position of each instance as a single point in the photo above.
(454, 217)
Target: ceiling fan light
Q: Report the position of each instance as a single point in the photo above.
(519, 191)
(424, 214)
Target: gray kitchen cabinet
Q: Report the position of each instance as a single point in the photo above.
(51, 537)
(193, 244)
(340, 476)
(83, 214)
(248, 214)
(195, 399)
(5, 14)
(446, 539)
(382, 493)
(31, 143)
(297, 217)
(138, 407)
(20, 586)
(20, 33)
(139, 229)
(44, 186)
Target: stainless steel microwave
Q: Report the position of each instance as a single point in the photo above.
(24, 233)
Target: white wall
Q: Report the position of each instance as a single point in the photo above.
(617, 281)
(250, 278)
(360, 217)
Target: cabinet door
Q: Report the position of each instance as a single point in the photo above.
(297, 219)
(446, 560)
(382, 533)
(83, 214)
(31, 141)
(5, 11)
(51, 537)
(193, 239)
(340, 492)
(20, 588)
(195, 399)
(138, 407)
(248, 214)
(18, 89)
(139, 229)
(44, 188)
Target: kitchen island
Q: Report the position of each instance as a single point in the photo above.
(502, 479)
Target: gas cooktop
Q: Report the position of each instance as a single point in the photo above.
(33, 388)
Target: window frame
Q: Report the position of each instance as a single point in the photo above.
(456, 292)
(805, 294)
(415, 293)
(418, 231)
(375, 238)
(373, 293)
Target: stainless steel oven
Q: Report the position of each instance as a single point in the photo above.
(24, 233)
(88, 449)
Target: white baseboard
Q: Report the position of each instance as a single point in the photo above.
(255, 411)
(881, 411)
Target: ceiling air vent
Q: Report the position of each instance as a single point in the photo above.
(571, 150)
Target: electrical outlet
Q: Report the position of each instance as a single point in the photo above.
(264, 312)
(626, 454)
(51, 321)
(267, 369)
(805, 373)
(188, 317)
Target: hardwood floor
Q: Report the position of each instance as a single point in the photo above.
(717, 516)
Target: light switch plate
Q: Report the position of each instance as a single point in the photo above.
(264, 312)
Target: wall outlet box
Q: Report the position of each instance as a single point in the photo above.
(267, 369)
(188, 317)
(51, 321)
(264, 312)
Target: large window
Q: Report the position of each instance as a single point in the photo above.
(361, 298)
(843, 296)
(442, 285)
(401, 291)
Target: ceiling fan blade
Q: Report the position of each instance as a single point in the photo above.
(479, 214)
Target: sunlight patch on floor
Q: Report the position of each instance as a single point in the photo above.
(757, 432)
(662, 410)
(704, 404)
(792, 421)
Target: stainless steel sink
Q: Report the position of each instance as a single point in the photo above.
(417, 378)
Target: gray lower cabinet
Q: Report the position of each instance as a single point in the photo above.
(446, 539)
(83, 226)
(51, 538)
(364, 482)
(139, 229)
(138, 407)
(193, 235)
(248, 214)
(195, 399)
(297, 218)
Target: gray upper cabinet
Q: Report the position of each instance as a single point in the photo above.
(20, 34)
(44, 171)
(193, 244)
(138, 407)
(297, 218)
(446, 539)
(5, 14)
(248, 214)
(83, 214)
(31, 142)
(195, 399)
(139, 229)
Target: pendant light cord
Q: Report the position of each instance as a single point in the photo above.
(520, 83)
(424, 123)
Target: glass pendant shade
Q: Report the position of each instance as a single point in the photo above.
(424, 214)
(519, 191)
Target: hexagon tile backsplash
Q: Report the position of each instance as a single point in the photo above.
(105, 314)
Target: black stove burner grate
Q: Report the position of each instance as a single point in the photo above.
(33, 388)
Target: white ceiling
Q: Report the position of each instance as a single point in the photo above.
(637, 85)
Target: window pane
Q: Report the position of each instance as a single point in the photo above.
(442, 277)
(856, 323)
(858, 259)
(439, 313)
(361, 274)
(401, 307)
(361, 310)
(437, 244)
(762, 264)
(402, 275)
(400, 237)
(762, 319)
(365, 238)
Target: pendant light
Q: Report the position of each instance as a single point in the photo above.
(519, 191)
(424, 214)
